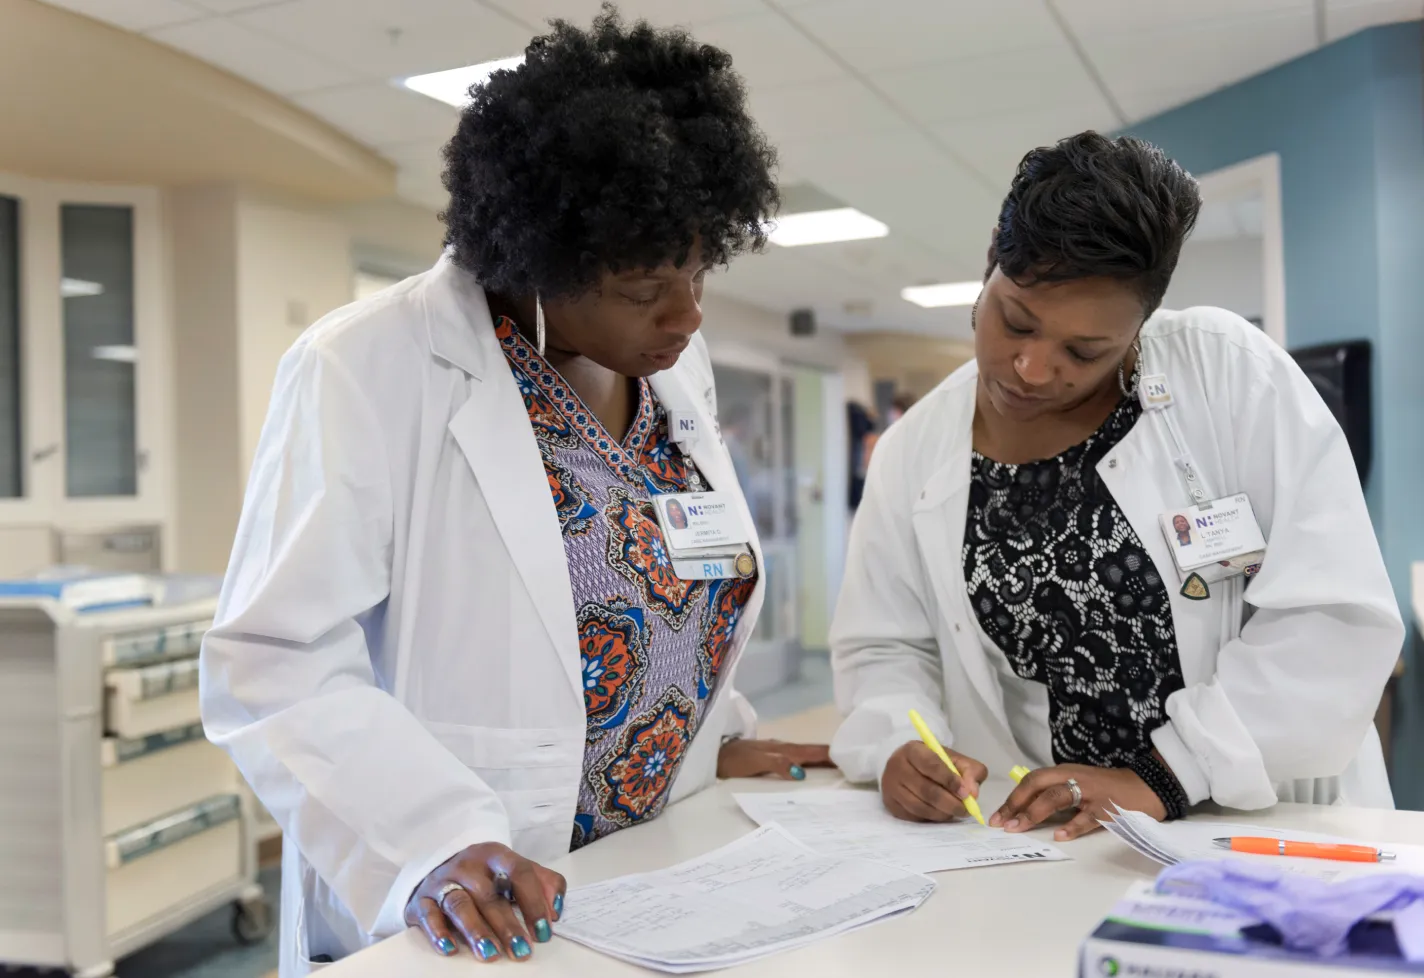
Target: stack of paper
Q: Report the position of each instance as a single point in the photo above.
(763, 894)
(855, 823)
(1177, 842)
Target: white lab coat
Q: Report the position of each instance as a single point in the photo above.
(1282, 676)
(394, 664)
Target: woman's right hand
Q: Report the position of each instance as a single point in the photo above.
(471, 898)
(917, 787)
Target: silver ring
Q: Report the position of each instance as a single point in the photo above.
(1077, 792)
(445, 891)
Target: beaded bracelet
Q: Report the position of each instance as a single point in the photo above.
(1164, 784)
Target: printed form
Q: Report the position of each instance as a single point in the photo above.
(762, 894)
(855, 823)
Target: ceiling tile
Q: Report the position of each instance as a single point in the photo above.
(256, 57)
(133, 15)
(537, 13)
(835, 108)
(1113, 18)
(768, 52)
(379, 114)
(392, 40)
(233, 6)
(1345, 17)
(1042, 78)
(995, 145)
(897, 33)
(1144, 70)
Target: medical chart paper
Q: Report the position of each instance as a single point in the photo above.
(762, 894)
(855, 823)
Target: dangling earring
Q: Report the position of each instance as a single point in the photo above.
(1136, 371)
(538, 324)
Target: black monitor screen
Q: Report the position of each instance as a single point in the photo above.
(1341, 373)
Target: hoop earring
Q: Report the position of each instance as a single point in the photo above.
(1136, 371)
(539, 329)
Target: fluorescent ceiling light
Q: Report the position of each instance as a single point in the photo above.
(944, 294)
(118, 354)
(453, 87)
(72, 288)
(823, 227)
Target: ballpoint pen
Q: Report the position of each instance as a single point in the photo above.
(1309, 850)
(970, 805)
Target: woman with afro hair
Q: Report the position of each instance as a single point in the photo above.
(453, 642)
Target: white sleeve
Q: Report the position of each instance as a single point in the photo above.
(885, 659)
(1293, 697)
(369, 797)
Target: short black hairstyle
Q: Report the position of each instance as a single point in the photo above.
(608, 149)
(1094, 206)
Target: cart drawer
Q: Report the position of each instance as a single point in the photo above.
(151, 699)
(184, 872)
(177, 641)
(172, 862)
(146, 778)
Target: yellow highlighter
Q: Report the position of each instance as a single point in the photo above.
(1018, 772)
(970, 805)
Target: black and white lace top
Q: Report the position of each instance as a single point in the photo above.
(1062, 585)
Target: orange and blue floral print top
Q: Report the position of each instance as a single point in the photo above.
(651, 644)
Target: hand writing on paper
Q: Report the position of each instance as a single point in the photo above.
(754, 758)
(917, 787)
(1045, 792)
(473, 896)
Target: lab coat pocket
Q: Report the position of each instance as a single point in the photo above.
(535, 772)
(513, 757)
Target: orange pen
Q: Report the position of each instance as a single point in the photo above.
(1309, 850)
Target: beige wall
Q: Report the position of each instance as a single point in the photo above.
(208, 470)
(293, 267)
(915, 363)
(251, 271)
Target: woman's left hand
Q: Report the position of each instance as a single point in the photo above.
(753, 758)
(1045, 792)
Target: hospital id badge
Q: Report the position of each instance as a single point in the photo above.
(1215, 540)
(700, 521)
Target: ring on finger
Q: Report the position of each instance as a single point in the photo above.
(444, 892)
(1077, 792)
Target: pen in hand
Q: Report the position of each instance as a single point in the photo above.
(970, 804)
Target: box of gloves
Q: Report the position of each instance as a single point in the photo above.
(1156, 934)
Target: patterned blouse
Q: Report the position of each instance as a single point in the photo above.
(651, 644)
(1062, 585)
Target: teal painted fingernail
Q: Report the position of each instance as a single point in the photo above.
(558, 905)
(797, 772)
(542, 933)
(446, 946)
(519, 947)
(486, 950)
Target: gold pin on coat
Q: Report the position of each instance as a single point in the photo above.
(745, 565)
(1195, 588)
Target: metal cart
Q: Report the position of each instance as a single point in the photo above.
(119, 822)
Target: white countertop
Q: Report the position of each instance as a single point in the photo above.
(1022, 920)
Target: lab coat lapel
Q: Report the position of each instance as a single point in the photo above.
(713, 461)
(493, 432)
(938, 519)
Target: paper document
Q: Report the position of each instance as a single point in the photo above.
(762, 894)
(1169, 843)
(855, 823)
